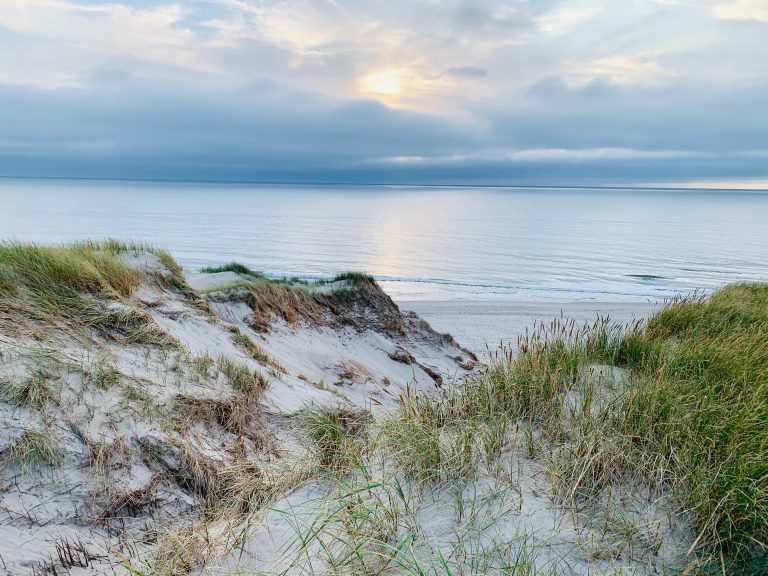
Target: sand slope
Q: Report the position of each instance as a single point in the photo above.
(109, 437)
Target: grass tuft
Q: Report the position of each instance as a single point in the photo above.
(354, 278)
(249, 346)
(338, 434)
(432, 442)
(103, 374)
(33, 449)
(242, 378)
(34, 390)
(237, 416)
(268, 300)
(235, 267)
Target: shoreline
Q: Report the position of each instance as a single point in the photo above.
(483, 325)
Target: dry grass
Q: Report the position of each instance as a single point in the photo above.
(32, 450)
(269, 300)
(73, 553)
(34, 390)
(247, 345)
(242, 489)
(73, 283)
(131, 503)
(238, 416)
(689, 417)
(130, 325)
(102, 373)
(106, 456)
(180, 551)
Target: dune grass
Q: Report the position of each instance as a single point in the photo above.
(116, 247)
(66, 279)
(245, 343)
(242, 378)
(85, 283)
(235, 267)
(235, 415)
(57, 277)
(352, 278)
(33, 390)
(33, 449)
(339, 435)
(688, 415)
(703, 405)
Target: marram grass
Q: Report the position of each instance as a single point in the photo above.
(56, 277)
(59, 279)
(72, 282)
(689, 415)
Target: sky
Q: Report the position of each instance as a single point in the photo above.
(539, 92)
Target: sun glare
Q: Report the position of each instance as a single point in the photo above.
(403, 88)
(386, 86)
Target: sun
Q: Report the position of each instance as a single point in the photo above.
(400, 88)
(384, 85)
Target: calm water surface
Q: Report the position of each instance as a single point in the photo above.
(422, 243)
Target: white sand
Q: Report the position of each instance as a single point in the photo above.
(481, 326)
(507, 504)
(43, 507)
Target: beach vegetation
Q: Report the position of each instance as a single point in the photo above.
(338, 435)
(250, 347)
(103, 374)
(241, 377)
(57, 278)
(679, 405)
(235, 267)
(33, 390)
(73, 281)
(269, 300)
(233, 414)
(353, 278)
(33, 449)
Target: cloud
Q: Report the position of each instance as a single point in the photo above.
(467, 72)
(562, 19)
(481, 17)
(581, 154)
(756, 10)
(64, 39)
(151, 131)
(416, 41)
(620, 69)
(599, 132)
(676, 116)
(424, 90)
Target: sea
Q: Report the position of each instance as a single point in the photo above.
(422, 243)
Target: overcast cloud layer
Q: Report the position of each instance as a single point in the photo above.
(423, 91)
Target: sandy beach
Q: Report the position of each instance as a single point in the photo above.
(482, 326)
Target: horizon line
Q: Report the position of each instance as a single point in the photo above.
(636, 187)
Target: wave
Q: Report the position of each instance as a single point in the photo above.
(480, 287)
(484, 286)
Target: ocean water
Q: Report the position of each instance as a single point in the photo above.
(422, 243)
